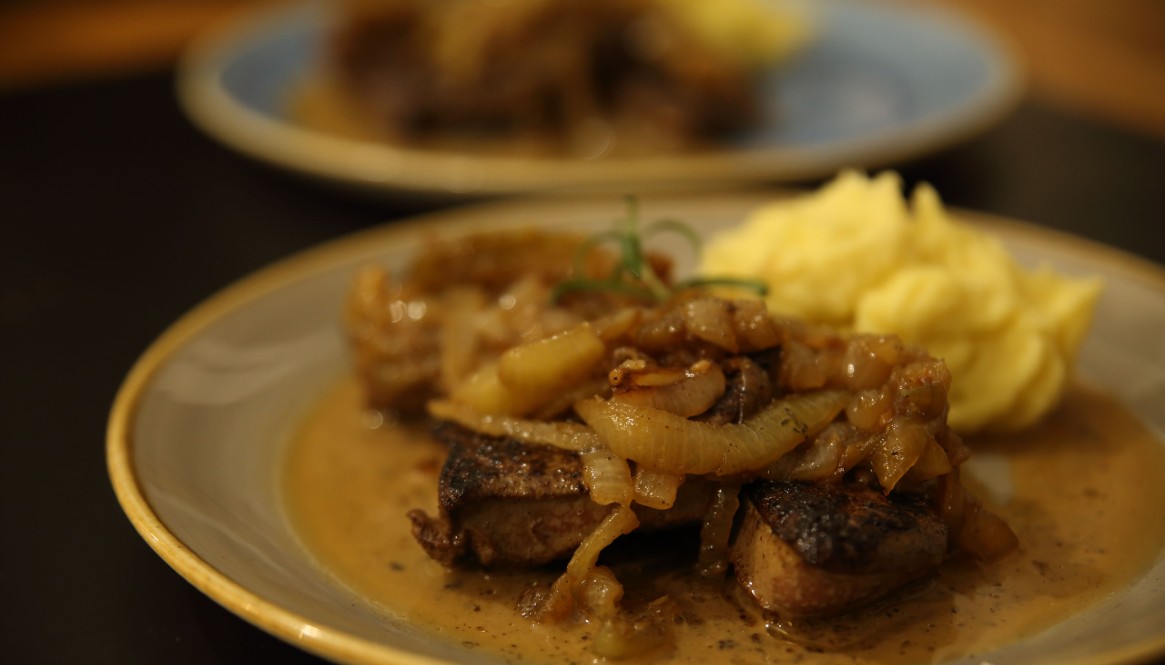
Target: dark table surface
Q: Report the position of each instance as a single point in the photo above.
(118, 216)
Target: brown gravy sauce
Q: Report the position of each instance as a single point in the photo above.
(1085, 494)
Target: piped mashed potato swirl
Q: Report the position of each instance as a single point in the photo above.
(858, 256)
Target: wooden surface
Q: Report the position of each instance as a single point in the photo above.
(1104, 58)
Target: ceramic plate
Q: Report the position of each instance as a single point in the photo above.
(881, 83)
(199, 427)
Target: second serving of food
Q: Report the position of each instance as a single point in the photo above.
(578, 79)
(763, 462)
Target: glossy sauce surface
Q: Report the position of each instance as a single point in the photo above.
(1082, 491)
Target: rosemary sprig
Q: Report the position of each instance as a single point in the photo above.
(633, 274)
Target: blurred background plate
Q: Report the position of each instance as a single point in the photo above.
(881, 83)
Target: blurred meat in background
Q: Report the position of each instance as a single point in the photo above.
(1105, 59)
(578, 77)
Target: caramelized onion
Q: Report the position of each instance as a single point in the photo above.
(869, 359)
(755, 328)
(600, 593)
(931, 464)
(553, 363)
(621, 521)
(635, 373)
(656, 489)
(560, 434)
(607, 477)
(807, 368)
(530, 376)
(664, 441)
(484, 392)
(819, 460)
(868, 408)
(562, 402)
(859, 450)
(716, 530)
(458, 335)
(559, 603)
(901, 447)
(683, 392)
(618, 325)
(709, 319)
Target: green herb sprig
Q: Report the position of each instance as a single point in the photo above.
(633, 275)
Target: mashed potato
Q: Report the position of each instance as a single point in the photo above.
(857, 256)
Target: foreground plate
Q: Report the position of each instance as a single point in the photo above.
(198, 430)
(880, 84)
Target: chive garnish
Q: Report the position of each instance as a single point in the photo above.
(633, 275)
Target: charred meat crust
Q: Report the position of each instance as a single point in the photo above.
(850, 528)
(506, 504)
(814, 549)
(484, 467)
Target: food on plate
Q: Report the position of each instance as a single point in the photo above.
(806, 549)
(465, 510)
(1081, 494)
(579, 407)
(856, 256)
(584, 78)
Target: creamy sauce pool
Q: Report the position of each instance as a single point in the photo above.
(1085, 493)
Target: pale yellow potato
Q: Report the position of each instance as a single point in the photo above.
(756, 33)
(857, 256)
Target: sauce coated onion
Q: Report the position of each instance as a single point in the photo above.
(666, 442)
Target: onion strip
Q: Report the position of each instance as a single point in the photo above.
(717, 529)
(656, 489)
(559, 603)
(902, 445)
(607, 477)
(666, 442)
(552, 363)
(566, 435)
(458, 336)
(688, 393)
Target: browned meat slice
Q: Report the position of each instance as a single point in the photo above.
(415, 335)
(808, 549)
(749, 389)
(503, 503)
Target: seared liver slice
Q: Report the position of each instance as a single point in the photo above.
(806, 549)
(504, 503)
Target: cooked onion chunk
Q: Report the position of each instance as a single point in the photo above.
(684, 392)
(664, 441)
